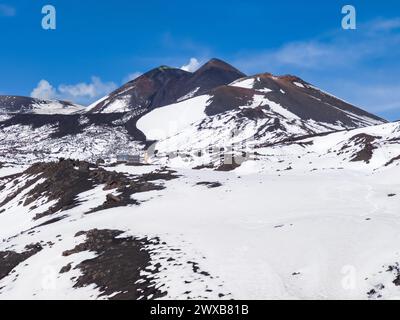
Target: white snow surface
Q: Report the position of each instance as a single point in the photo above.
(118, 105)
(48, 107)
(169, 120)
(189, 95)
(55, 107)
(298, 220)
(299, 84)
(22, 144)
(316, 217)
(328, 234)
(247, 83)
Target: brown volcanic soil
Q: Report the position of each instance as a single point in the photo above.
(227, 98)
(117, 266)
(307, 103)
(310, 103)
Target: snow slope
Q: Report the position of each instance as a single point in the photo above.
(26, 139)
(172, 119)
(15, 104)
(56, 107)
(365, 149)
(335, 236)
(257, 110)
(311, 217)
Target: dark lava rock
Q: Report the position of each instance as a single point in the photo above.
(210, 184)
(10, 259)
(66, 179)
(66, 268)
(364, 141)
(204, 166)
(228, 166)
(393, 160)
(117, 266)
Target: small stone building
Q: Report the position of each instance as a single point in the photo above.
(129, 158)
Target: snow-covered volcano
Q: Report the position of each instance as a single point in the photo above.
(213, 107)
(263, 109)
(247, 187)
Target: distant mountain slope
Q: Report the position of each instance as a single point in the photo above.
(165, 85)
(214, 107)
(18, 104)
(256, 110)
(367, 149)
(307, 101)
(27, 138)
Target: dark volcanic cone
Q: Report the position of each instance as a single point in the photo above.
(165, 85)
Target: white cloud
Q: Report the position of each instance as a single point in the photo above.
(376, 97)
(83, 93)
(132, 76)
(359, 66)
(7, 11)
(192, 66)
(44, 90)
(338, 49)
(93, 89)
(312, 55)
(385, 24)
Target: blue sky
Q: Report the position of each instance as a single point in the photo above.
(100, 44)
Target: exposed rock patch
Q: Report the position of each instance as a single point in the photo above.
(391, 161)
(204, 166)
(72, 124)
(365, 142)
(117, 269)
(395, 269)
(11, 259)
(228, 166)
(210, 185)
(66, 179)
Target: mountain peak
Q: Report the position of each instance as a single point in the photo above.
(162, 70)
(215, 63)
(292, 78)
